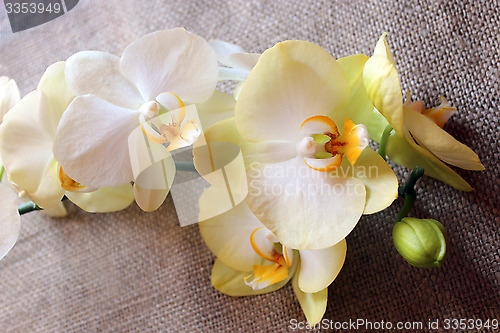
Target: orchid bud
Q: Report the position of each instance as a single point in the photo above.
(421, 242)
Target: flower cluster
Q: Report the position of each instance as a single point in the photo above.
(302, 122)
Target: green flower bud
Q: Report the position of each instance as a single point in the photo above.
(421, 242)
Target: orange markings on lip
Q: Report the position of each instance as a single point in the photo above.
(68, 183)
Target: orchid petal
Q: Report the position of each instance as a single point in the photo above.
(92, 142)
(302, 80)
(171, 60)
(313, 305)
(98, 73)
(224, 49)
(305, 209)
(232, 74)
(428, 134)
(49, 192)
(404, 151)
(232, 282)
(381, 81)
(153, 184)
(243, 61)
(359, 107)
(149, 200)
(107, 199)
(264, 152)
(382, 49)
(57, 94)
(318, 268)
(218, 107)
(376, 126)
(10, 221)
(58, 210)
(9, 95)
(21, 127)
(379, 178)
(228, 235)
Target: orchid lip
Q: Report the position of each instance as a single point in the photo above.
(323, 147)
(266, 275)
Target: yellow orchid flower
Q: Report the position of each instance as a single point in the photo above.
(418, 138)
(26, 139)
(309, 182)
(251, 260)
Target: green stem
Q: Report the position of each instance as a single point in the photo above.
(383, 141)
(408, 192)
(2, 170)
(28, 208)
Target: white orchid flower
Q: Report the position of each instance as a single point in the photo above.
(418, 138)
(159, 72)
(26, 146)
(9, 95)
(238, 62)
(309, 183)
(251, 260)
(10, 221)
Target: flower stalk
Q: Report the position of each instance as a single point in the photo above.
(28, 207)
(408, 192)
(383, 142)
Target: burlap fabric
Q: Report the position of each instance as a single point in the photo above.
(133, 271)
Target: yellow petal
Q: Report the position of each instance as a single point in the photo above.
(232, 282)
(318, 268)
(380, 180)
(107, 199)
(264, 152)
(292, 81)
(382, 49)
(381, 81)
(313, 304)
(227, 234)
(439, 142)
(304, 208)
(404, 151)
(359, 107)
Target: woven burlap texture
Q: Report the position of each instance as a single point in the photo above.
(133, 271)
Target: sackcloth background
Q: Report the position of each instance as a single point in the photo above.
(134, 272)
